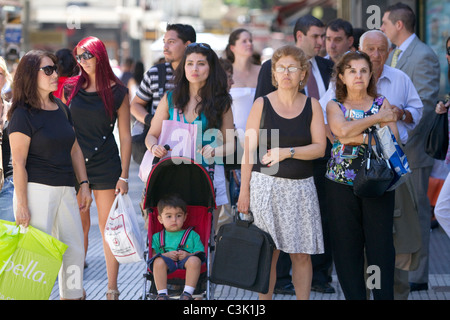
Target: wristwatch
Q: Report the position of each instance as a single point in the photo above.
(292, 151)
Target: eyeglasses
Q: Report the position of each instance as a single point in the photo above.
(85, 56)
(48, 70)
(289, 69)
(198, 44)
(448, 51)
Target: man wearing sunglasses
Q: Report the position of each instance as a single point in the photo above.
(157, 80)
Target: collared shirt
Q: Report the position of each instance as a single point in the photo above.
(405, 45)
(399, 90)
(315, 70)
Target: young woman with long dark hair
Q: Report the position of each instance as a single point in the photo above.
(201, 95)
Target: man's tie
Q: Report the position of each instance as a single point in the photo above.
(395, 57)
(313, 90)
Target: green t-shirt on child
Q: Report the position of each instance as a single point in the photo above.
(173, 239)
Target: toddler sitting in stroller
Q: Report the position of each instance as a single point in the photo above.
(175, 248)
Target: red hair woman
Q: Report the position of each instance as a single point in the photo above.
(97, 98)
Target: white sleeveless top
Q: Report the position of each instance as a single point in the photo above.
(242, 103)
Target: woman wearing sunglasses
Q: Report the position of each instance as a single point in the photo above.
(97, 99)
(45, 157)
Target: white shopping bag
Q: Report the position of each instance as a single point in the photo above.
(122, 231)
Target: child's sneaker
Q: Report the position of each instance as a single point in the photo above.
(186, 296)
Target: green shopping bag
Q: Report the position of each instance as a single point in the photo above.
(29, 262)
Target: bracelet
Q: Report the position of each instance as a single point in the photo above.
(84, 181)
(123, 179)
(151, 148)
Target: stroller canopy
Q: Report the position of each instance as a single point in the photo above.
(182, 176)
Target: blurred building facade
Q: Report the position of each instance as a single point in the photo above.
(130, 28)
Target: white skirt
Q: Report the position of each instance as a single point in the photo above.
(288, 209)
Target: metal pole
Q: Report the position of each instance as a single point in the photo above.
(26, 26)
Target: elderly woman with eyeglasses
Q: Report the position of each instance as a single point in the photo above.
(46, 157)
(359, 227)
(285, 132)
(97, 99)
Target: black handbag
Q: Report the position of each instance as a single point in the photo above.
(243, 256)
(375, 174)
(436, 145)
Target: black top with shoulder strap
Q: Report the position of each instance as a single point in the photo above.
(284, 133)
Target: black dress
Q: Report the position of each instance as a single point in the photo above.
(94, 130)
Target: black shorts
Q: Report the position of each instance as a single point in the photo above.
(103, 172)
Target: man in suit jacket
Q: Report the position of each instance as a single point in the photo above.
(309, 34)
(310, 41)
(421, 64)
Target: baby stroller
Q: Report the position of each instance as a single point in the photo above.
(193, 183)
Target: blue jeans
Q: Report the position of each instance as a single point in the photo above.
(6, 200)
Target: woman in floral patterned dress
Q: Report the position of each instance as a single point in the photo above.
(359, 227)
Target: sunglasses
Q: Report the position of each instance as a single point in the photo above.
(48, 70)
(351, 51)
(448, 51)
(85, 56)
(198, 44)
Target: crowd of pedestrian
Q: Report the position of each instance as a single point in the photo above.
(320, 95)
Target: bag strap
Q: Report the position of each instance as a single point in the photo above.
(162, 243)
(58, 101)
(184, 238)
(182, 243)
(176, 115)
(161, 76)
(263, 112)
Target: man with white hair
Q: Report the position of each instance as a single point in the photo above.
(398, 88)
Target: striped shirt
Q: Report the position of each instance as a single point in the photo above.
(149, 89)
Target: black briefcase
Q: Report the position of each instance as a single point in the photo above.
(243, 256)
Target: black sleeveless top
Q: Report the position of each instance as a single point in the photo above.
(285, 133)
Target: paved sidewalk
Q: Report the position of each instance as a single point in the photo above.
(131, 279)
